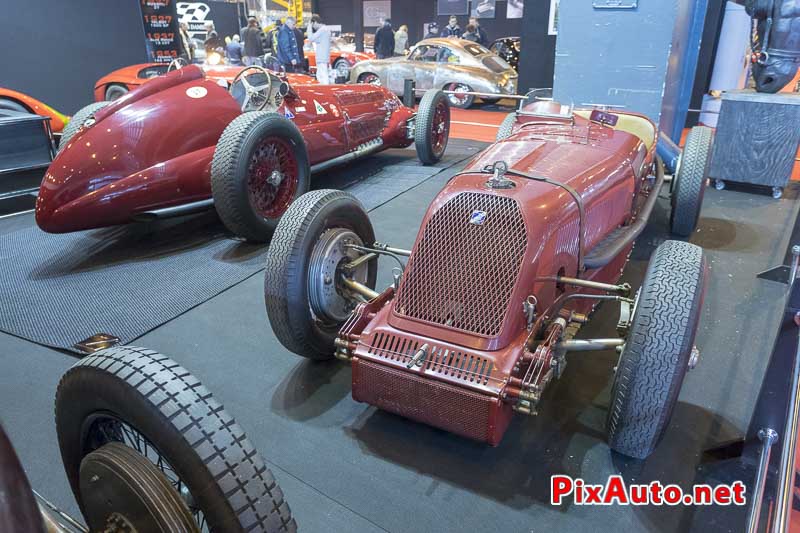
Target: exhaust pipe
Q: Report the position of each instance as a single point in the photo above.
(364, 150)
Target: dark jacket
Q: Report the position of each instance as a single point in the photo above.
(251, 40)
(451, 32)
(213, 43)
(287, 46)
(384, 42)
(471, 36)
(301, 38)
(483, 38)
(234, 52)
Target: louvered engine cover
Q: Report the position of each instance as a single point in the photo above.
(465, 264)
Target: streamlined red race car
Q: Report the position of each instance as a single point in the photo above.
(118, 83)
(182, 143)
(511, 259)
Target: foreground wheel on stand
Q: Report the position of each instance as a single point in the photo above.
(260, 167)
(659, 349)
(145, 445)
(77, 120)
(690, 181)
(506, 127)
(432, 128)
(306, 300)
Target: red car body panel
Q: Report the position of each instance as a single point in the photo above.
(134, 75)
(351, 57)
(600, 164)
(153, 148)
(57, 120)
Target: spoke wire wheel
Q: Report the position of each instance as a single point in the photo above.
(122, 490)
(330, 301)
(342, 68)
(272, 177)
(461, 101)
(432, 127)
(440, 129)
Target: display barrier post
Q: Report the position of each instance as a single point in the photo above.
(409, 93)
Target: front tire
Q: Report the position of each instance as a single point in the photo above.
(658, 349)
(690, 181)
(77, 121)
(432, 129)
(116, 91)
(260, 167)
(124, 392)
(292, 293)
(506, 127)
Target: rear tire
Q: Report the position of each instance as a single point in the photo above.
(206, 449)
(690, 181)
(432, 129)
(246, 202)
(506, 127)
(369, 78)
(463, 102)
(115, 91)
(341, 69)
(286, 279)
(659, 345)
(77, 121)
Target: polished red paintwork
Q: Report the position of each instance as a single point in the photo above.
(57, 120)
(130, 76)
(153, 147)
(351, 57)
(603, 166)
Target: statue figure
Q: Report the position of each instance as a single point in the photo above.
(775, 42)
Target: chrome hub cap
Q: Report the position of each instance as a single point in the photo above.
(328, 299)
(694, 358)
(275, 178)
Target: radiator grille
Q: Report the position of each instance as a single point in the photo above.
(461, 274)
(451, 408)
(467, 367)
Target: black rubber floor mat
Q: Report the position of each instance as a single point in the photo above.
(58, 290)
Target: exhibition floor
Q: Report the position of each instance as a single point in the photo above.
(345, 466)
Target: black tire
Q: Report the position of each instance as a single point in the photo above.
(464, 103)
(428, 150)
(287, 268)
(169, 407)
(362, 78)
(77, 121)
(116, 90)
(7, 104)
(229, 171)
(656, 356)
(506, 127)
(18, 508)
(690, 181)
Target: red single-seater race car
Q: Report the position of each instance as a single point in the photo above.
(182, 143)
(119, 82)
(511, 259)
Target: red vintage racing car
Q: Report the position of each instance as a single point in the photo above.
(118, 83)
(182, 143)
(145, 447)
(511, 259)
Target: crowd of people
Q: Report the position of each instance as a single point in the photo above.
(281, 47)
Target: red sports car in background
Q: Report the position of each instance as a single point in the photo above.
(341, 60)
(121, 81)
(18, 102)
(181, 143)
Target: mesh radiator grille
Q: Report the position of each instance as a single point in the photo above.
(461, 274)
(451, 408)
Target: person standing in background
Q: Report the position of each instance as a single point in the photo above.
(320, 37)
(401, 41)
(471, 33)
(300, 36)
(213, 42)
(433, 31)
(187, 44)
(272, 36)
(384, 40)
(483, 38)
(234, 51)
(452, 29)
(288, 55)
(253, 47)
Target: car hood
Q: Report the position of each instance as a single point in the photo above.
(144, 129)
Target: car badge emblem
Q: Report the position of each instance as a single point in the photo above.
(477, 218)
(319, 109)
(196, 92)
